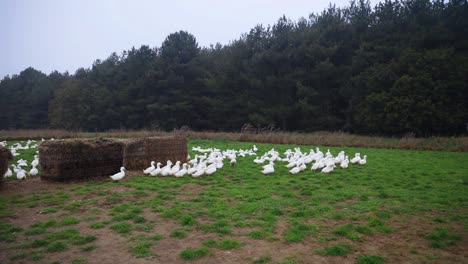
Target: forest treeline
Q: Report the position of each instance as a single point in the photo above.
(399, 67)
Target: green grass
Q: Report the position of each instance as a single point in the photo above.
(70, 221)
(122, 228)
(441, 237)
(194, 253)
(370, 259)
(178, 233)
(339, 249)
(88, 248)
(262, 260)
(57, 246)
(142, 249)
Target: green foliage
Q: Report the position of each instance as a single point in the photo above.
(262, 260)
(141, 249)
(57, 246)
(179, 233)
(229, 244)
(339, 249)
(122, 228)
(370, 259)
(441, 237)
(191, 254)
(298, 232)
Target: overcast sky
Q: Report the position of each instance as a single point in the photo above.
(64, 35)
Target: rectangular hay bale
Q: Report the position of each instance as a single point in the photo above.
(139, 153)
(79, 159)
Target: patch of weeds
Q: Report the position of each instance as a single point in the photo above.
(194, 253)
(148, 227)
(326, 239)
(339, 249)
(441, 237)
(363, 229)
(209, 242)
(35, 256)
(139, 219)
(70, 221)
(142, 249)
(63, 234)
(97, 225)
(287, 261)
(346, 231)
(297, 232)
(81, 240)
(88, 248)
(8, 232)
(179, 233)
(370, 259)
(35, 231)
(34, 244)
(220, 227)
(229, 244)
(122, 228)
(18, 256)
(156, 237)
(383, 214)
(187, 220)
(262, 260)
(46, 224)
(259, 234)
(48, 210)
(79, 261)
(57, 246)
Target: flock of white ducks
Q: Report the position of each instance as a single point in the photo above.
(209, 160)
(20, 168)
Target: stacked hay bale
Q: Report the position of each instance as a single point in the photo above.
(139, 153)
(5, 157)
(78, 159)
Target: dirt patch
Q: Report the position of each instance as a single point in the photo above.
(28, 186)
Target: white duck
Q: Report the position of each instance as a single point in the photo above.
(21, 174)
(175, 169)
(233, 161)
(318, 165)
(295, 170)
(200, 170)
(328, 168)
(344, 164)
(166, 170)
(35, 162)
(33, 171)
(156, 171)
(150, 168)
(193, 169)
(356, 158)
(9, 173)
(118, 176)
(363, 161)
(268, 169)
(182, 172)
(210, 169)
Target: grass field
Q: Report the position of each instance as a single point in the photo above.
(403, 206)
